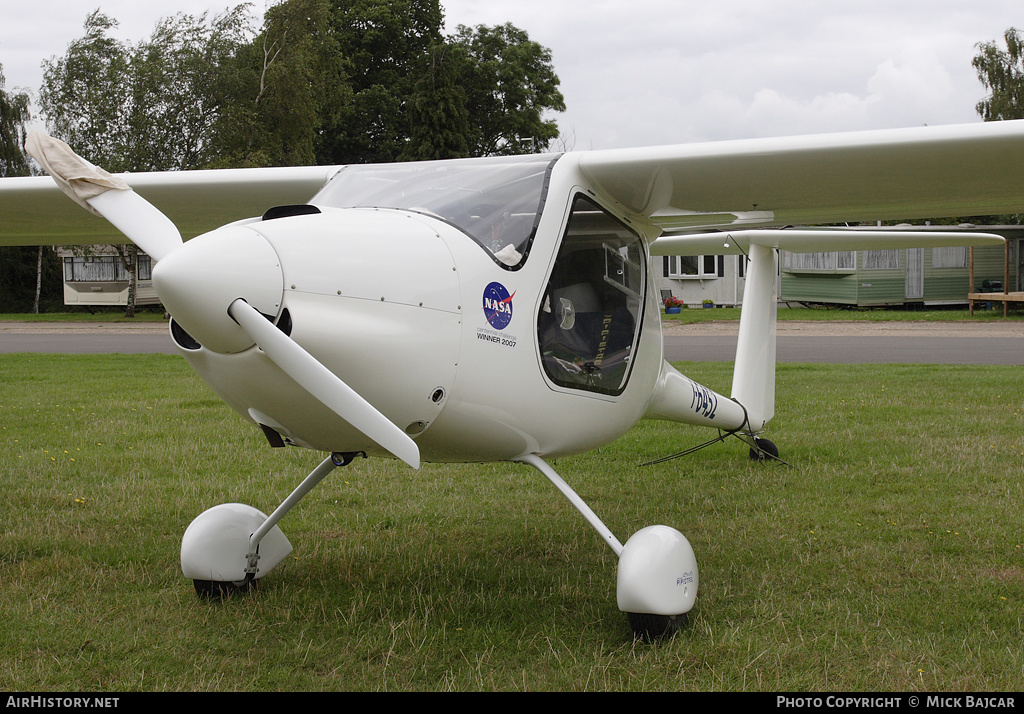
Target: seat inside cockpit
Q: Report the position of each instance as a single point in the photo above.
(590, 316)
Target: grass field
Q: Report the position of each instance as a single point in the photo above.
(890, 557)
(143, 315)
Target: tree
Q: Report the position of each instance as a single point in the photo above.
(438, 113)
(177, 91)
(14, 115)
(418, 94)
(85, 95)
(510, 83)
(150, 107)
(388, 44)
(20, 268)
(30, 279)
(1001, 72)
(280, 90)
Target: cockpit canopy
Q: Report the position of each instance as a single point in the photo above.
(497, 201)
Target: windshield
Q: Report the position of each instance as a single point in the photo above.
(496, 201)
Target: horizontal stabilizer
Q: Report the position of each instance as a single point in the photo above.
(804, 240)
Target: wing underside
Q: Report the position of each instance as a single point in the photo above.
(905, 174)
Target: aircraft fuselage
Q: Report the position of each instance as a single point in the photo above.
(549, 343)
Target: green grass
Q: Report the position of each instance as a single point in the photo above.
(141, 315)
(889, 558)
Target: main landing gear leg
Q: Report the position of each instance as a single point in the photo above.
(657, 573)
(227, 547)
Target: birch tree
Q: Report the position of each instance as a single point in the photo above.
(1001, 72)
(146, 107)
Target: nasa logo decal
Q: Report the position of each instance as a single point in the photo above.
(497, 306)
(498, 313)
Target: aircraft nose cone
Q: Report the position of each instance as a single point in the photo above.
(199, 281)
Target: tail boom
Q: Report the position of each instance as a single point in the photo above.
(678, 398)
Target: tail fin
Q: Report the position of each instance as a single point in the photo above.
(753, 382)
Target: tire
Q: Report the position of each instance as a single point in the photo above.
(219, 590)
(764, 451)
(654, 627)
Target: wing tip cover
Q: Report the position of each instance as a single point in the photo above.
(75, 176)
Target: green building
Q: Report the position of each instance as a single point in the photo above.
(931, 276)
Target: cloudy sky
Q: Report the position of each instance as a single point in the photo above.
(650, 72)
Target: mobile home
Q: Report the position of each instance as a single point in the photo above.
(97, 277)
(929, 276)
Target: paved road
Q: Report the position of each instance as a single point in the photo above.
(839, 343)
(86, 338)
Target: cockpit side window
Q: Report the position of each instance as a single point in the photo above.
(592, 310)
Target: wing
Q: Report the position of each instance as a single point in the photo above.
(33, 211)
(925, 172)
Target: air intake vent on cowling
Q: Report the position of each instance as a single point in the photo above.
(182, 338)
(284, 324)
(303, 209)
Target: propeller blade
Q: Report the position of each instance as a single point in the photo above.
(139, 220)
(324, 384)
(105, 195)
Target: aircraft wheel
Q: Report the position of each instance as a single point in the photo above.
(655, 627)
(218, 590)
(765, 450)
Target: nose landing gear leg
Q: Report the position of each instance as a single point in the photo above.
(228, 547)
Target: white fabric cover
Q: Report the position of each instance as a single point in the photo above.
(74, 175)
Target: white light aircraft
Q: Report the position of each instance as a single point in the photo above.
(494, 309)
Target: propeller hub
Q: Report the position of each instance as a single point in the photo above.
(198, 282)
